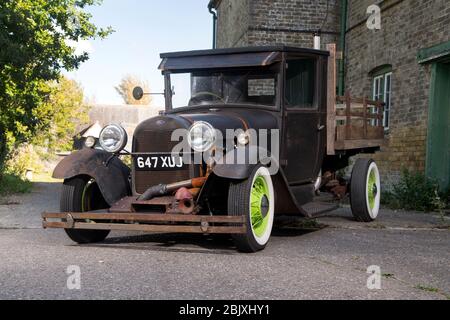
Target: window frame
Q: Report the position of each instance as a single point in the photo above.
(379, 81)
(276, 68)
(315, 106)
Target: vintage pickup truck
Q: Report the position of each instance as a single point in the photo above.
(262, 133)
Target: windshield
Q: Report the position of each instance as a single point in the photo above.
(251, 86)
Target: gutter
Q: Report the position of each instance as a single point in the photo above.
(341, 81)
(211, 8)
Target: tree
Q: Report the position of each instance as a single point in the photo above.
(125, 90)
(69, 115)
(35, 42)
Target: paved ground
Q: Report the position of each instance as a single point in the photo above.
(411, 249)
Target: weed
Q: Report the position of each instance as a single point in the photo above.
(10, 184)
(427, 288)
(415, 191)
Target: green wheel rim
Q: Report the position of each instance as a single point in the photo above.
(372, 189)
(258, 195)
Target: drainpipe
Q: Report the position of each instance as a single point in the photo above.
(341, 83)
(214, 14)
(317, 40)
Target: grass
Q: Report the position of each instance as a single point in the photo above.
(427, 288)
(44, 177)
(11, 184)
(375, 226)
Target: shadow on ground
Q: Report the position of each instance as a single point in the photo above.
(220, 244)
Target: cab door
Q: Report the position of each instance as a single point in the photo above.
(303, 120)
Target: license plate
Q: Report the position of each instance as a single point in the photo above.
(161, 162)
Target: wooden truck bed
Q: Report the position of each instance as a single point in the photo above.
(353, 123)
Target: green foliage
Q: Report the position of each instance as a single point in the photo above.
(414, 192)
(35, 47)
(127, 160)
(23, 158)
(14, 184)
(69, 114)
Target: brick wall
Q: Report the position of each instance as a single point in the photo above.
(272, 22)
(233, 21)
(407, 26)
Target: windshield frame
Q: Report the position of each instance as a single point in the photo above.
(276, 68)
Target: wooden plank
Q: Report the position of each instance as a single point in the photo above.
(348, 105)
(381, 114)
(365, 118)
(146, 217)
(357, 133)
(358, 144)
(158, 228)
(54, 225)
(357, 114)
(331, 99)
(149, 228)
(357, 100)
(375, 133)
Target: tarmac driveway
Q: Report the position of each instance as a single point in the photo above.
(411, 250)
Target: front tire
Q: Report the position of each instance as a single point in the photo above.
(82, 194)
(255, 199)
(365, 190)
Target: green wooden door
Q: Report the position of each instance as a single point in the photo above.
(438, 149)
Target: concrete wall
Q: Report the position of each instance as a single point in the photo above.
(407, 26)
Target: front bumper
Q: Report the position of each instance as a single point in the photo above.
(148, 222)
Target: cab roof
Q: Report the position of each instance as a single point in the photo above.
(226, 51)
(230, 57)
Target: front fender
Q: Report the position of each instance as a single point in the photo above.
(111, 175)
(240, 163)
(286, 202)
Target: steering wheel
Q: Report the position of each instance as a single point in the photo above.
(202, 93)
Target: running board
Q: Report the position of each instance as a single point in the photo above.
(165, 223)
(315, 208)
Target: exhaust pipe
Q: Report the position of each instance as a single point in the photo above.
(165, 189)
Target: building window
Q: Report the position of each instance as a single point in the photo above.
(382, 90)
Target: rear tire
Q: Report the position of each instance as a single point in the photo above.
(80, 195)
(255, 199)
(365, 190)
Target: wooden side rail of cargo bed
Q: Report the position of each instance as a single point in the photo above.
(353, 123)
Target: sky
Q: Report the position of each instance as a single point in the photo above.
(143, 30)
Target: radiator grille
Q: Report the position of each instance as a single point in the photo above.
(154, 140)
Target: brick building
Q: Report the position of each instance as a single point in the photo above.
(406, 63)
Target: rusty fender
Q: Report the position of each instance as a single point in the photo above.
(286, 202)
(110, 173)
(231, 170)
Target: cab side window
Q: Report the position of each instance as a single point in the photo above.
(300, 83)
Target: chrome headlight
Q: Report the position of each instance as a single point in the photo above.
(113, 138)
(243, 139)
(89, 142)
(202, 136)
